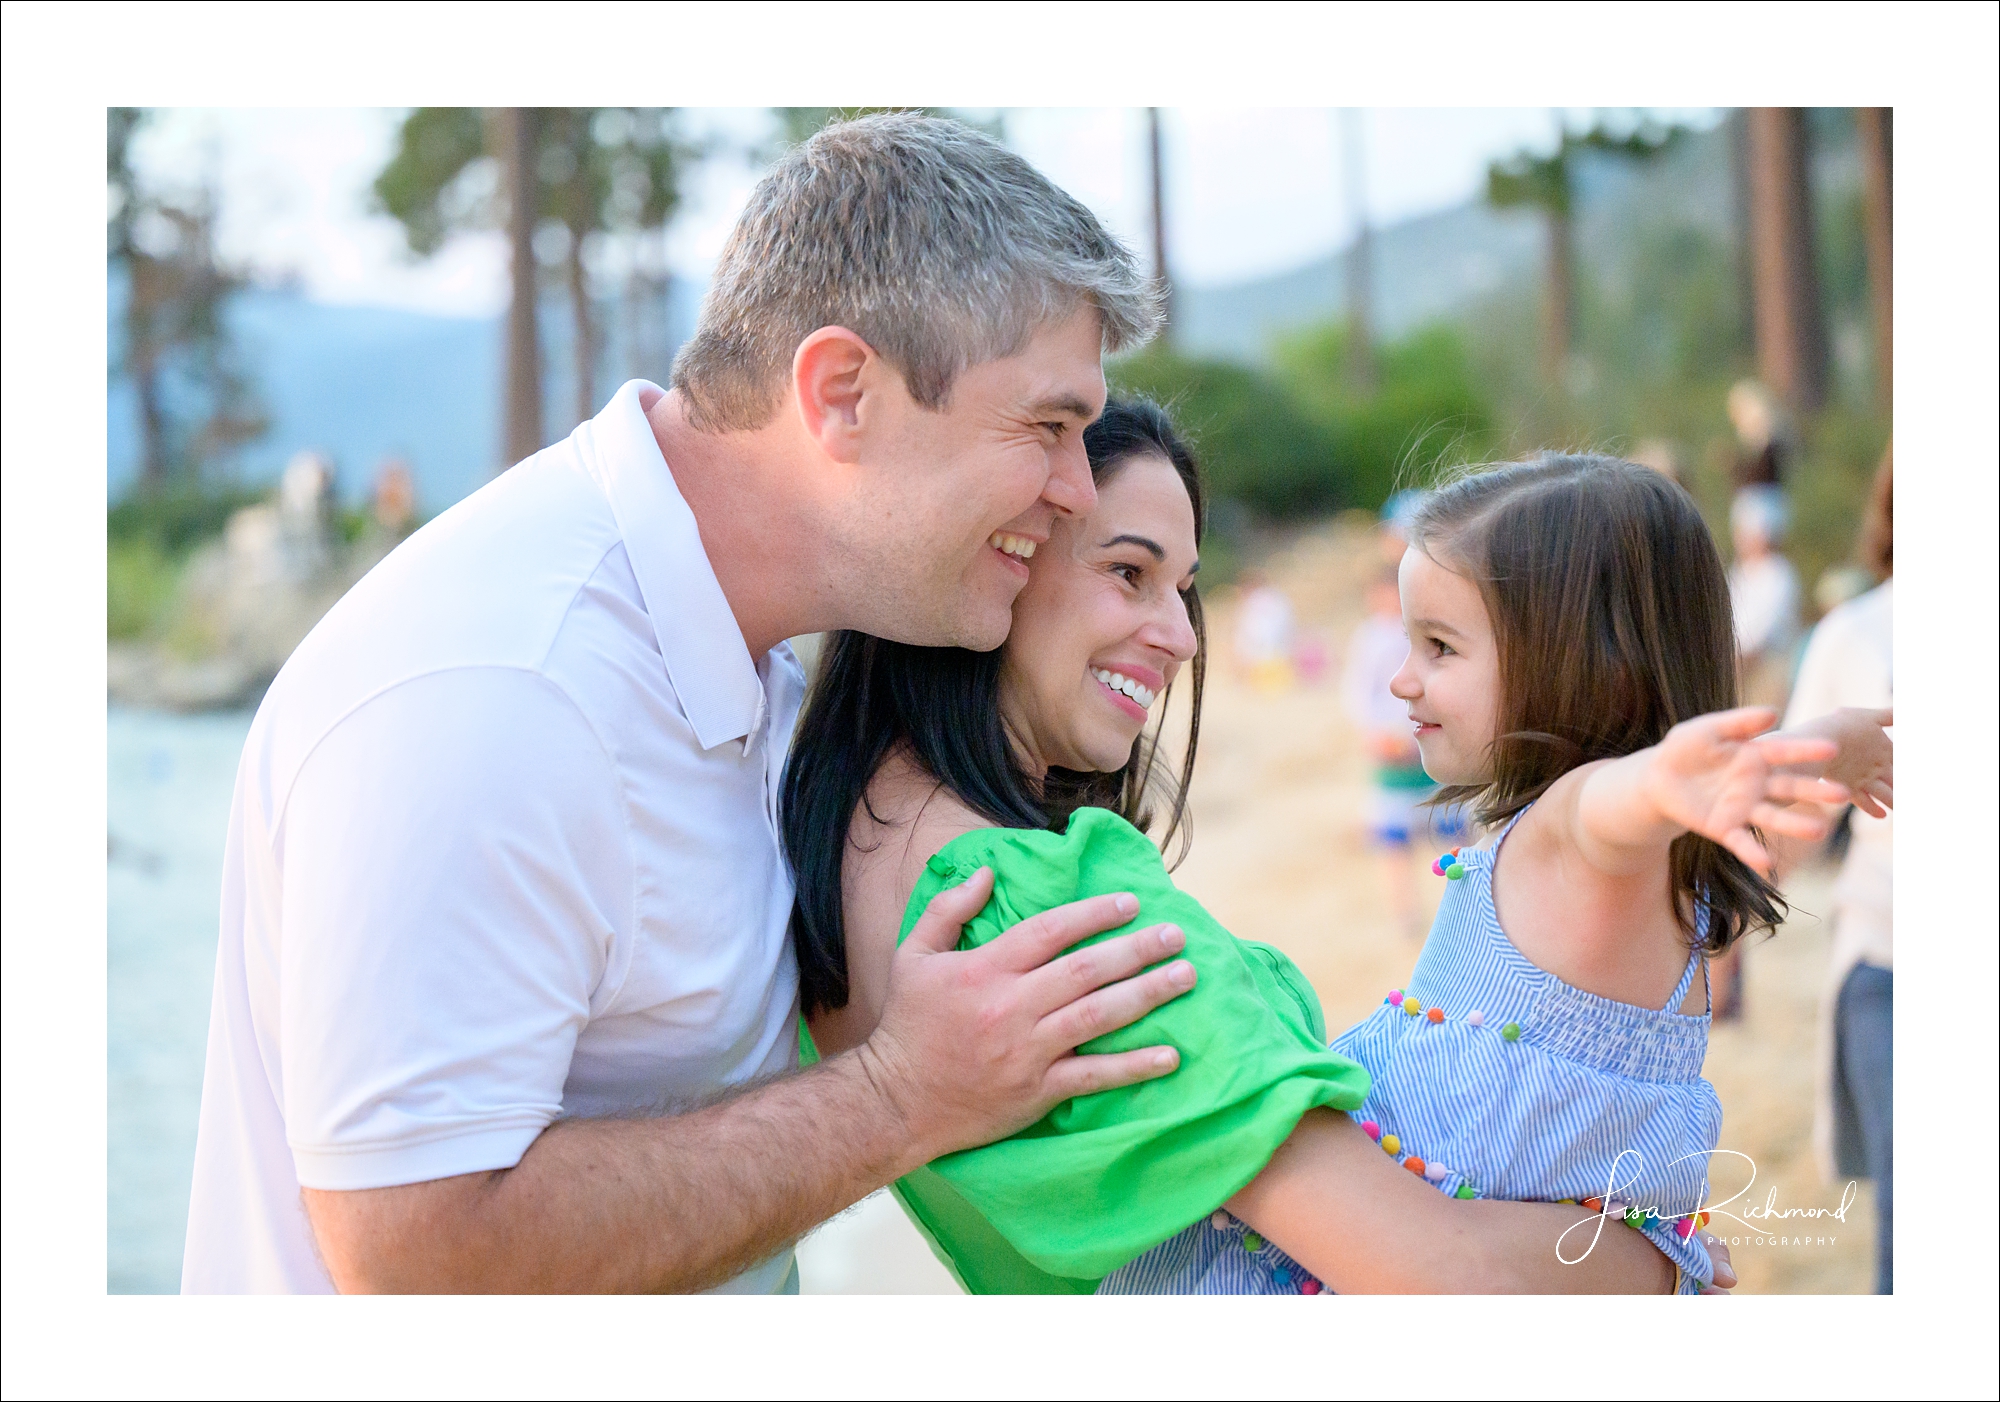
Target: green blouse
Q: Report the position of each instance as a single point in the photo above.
(1101, 1178)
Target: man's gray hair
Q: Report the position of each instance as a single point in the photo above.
(931, 241)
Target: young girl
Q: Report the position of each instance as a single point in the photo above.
(1570, 672)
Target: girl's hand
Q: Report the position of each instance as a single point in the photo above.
(1713, 776)
(1866, 762)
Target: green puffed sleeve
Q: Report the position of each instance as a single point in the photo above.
(1104, 1177)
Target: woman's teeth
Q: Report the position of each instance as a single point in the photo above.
(1118, 681)
(1012, 545)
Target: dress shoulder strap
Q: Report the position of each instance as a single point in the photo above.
(1680, 993)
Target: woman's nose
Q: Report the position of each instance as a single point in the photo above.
(1175, 634)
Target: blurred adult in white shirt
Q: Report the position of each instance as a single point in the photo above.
(1848, 661)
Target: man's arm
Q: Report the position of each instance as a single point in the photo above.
(972, 1046)
(1350, 1214)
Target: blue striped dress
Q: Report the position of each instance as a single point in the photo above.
(1528, 1089)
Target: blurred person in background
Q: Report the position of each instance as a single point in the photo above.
(1763, 595)
(1265, 628)
(1764, 599)
(1763, 436)
(1848, 662)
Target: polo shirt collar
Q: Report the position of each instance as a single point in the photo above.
(711, 670)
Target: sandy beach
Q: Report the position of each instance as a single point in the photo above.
(1280, 854)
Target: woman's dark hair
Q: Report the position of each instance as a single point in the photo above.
(942, 703)
(1611, 615)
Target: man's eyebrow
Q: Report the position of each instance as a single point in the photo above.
(1151, 547)
(1063, 406)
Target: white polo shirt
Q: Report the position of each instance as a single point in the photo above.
(503, 850)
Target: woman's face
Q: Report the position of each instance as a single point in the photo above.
(1100, 628)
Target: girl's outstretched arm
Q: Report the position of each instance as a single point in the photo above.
(1352, 1216)
(1712, 775)
(1865, 763)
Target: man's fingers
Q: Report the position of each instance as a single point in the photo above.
(1109, 1009)
(1802, 823)
(1086, 1075)
(937, 929)
(1040, 938)
(1083, 971)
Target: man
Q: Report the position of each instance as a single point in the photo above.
(504, 978)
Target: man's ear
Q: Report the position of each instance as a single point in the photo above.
(833, 371)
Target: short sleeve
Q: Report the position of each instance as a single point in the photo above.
(455, 873)
(1104, 1177)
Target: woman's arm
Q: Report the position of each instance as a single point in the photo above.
(1351, 1215)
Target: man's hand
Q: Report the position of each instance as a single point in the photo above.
(976, 1044)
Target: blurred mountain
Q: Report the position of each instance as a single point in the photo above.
(1435, 266)
(361, 384)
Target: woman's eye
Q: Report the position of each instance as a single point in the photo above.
(1056, 430)
(1129, 573)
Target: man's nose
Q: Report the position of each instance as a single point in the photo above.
(1070, 489)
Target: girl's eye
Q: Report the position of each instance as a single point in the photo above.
(1443, 647)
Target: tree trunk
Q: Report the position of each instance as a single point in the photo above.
(586, 333)
(152, 425)
(524, 354)
(1160, 273)
(1873, 125)
(1558, 316)
(1791, 332)
(1360, 261)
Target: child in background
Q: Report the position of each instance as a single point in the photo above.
(1571, 675)
(1264, 629)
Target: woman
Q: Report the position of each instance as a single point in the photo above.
(912, 767)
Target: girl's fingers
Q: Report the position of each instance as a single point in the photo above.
(1801, 823)
(1743, 723)
(1797, 788)
(1794, 749)
(1745, 845)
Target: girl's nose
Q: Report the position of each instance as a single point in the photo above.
(1404, 686)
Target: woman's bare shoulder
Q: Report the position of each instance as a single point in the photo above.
(904, 818)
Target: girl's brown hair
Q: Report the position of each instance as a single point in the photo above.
(1610, 610)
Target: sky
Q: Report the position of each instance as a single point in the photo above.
(1249, 192)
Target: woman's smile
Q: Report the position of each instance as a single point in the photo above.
(1130, 687)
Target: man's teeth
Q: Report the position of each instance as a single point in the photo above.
(1118, 681)
(1012, 545)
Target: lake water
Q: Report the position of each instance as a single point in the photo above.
(170, 782)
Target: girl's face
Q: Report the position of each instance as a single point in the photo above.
(1100, 628)
(1451, 679)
